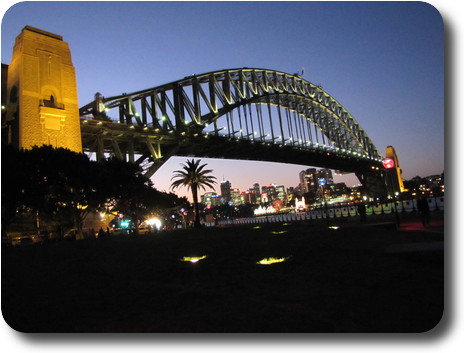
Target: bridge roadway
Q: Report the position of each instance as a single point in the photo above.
(138, 144)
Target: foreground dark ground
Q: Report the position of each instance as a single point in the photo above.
(344, 280)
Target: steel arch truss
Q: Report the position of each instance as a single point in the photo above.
(261, 106)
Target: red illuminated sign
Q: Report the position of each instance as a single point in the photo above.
(388, 163)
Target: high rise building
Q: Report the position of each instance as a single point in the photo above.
(338, 189)
(264, 197)
(309, 179)
(325, 174)
(281, 194)
(257, 192)
(206, 198)
(236, 197)
(248, 196)
(291, 192)
(303, 184)
(216, 200)
(270, 191)
(225, 190)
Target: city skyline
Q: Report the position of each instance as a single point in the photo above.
(255, 172)
(333, 179)
(382, 61)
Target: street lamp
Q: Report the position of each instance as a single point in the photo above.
(322, 182)
(389, 164)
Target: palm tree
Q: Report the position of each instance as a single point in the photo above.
(193, 176)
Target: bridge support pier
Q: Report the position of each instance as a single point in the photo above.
(374, 184)
(42, 92)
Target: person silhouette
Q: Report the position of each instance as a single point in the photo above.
(424, 211)
(362, 212)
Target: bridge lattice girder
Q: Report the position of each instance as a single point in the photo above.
(267, 108)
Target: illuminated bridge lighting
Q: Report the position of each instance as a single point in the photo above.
(262, 115)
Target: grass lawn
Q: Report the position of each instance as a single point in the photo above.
(333, 281)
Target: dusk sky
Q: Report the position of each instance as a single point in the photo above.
(383, 61)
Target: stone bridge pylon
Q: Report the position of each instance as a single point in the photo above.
(41, 93)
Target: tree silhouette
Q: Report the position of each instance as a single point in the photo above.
(13, 180)
(193, 176)
(59, 188)
(129, 192)
(60, 185)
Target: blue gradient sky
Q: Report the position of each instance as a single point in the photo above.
(383, 61)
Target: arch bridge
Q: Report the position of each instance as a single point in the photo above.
(246, 113)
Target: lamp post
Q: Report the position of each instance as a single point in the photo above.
(389, 164)
(322, 183)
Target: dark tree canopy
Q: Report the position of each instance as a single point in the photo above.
(61, 187)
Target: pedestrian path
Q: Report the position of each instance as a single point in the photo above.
(432, 246)
(435, 226)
